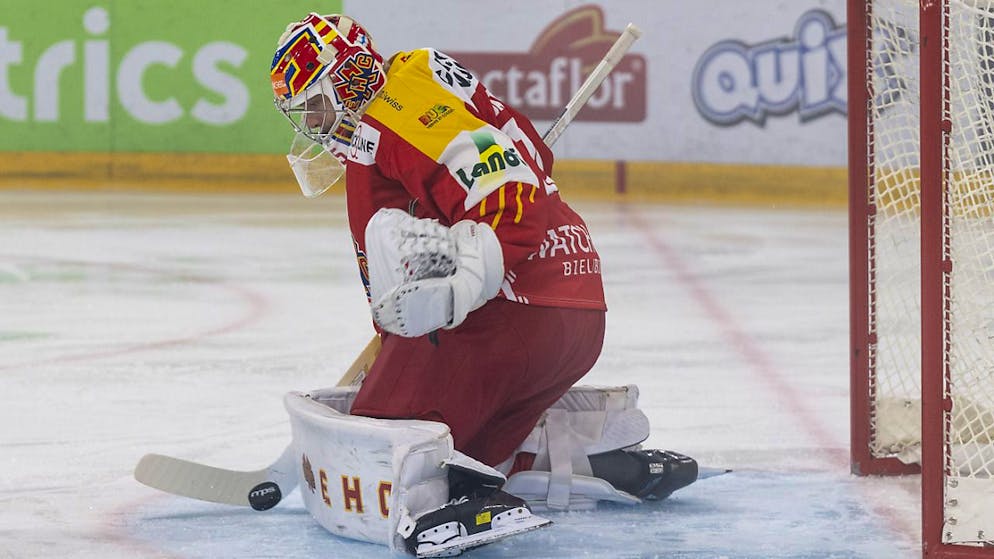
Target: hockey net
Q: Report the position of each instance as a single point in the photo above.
(896, 147)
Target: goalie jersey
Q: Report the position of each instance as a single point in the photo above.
(435, 143)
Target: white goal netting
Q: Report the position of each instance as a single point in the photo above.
(895, 262)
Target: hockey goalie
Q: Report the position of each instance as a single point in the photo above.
(485, 287)
(487, 290)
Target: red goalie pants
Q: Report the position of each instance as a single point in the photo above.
(490, 378)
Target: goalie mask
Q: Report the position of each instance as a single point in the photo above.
(325, 73)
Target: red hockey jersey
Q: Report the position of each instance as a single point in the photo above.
(436, 143)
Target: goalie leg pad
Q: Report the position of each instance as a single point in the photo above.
(597, 419)
(539, 490)
(364, 477)
(390, 481)
(587, 420)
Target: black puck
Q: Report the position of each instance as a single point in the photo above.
(265, 496)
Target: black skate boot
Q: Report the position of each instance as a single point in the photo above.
(471, 483)
(647, 474)
(467, 523)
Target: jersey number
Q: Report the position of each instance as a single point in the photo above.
(451, 72)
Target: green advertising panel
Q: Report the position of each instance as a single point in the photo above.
(143, 75)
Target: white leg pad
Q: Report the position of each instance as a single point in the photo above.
(364, 478)
(584, 492)
(586, 420)
(599, 419)
(460, 460)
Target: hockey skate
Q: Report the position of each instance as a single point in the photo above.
(467, 523)
(648, 474)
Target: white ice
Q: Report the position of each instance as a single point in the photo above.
(174, 324)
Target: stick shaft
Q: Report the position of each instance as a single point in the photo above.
(593, 81)
(357, 371)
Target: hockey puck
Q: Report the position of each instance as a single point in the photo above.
(264, 496)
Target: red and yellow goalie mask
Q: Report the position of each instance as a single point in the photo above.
(324, 75)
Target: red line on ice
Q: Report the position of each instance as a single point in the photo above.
(835, 452)
(256, 306)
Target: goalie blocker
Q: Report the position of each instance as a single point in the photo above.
(400, 483)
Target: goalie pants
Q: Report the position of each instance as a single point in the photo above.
(490, 378)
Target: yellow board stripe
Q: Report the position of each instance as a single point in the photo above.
(768, 186)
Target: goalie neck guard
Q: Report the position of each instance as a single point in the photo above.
(324, 74)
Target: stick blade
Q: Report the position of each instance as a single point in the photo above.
(259, 489)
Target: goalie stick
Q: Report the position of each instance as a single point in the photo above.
(357, 371)
(263, 489)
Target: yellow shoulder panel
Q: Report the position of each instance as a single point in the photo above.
(418, 108)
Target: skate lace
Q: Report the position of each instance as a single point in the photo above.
(458, 501)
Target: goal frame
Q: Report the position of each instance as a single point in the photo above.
(862, 334)
(936, 266)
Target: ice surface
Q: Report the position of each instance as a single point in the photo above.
(174, 324)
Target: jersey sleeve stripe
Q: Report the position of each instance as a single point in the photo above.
(517, 199)
(502, 203)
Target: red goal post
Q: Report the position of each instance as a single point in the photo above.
(921, 185)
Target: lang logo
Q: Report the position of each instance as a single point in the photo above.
(493, 158)
(734, 82)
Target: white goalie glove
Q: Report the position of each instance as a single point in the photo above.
(424, 276)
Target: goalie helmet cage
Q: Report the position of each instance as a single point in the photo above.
(921, 206)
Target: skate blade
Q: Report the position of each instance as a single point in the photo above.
(457, 546)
